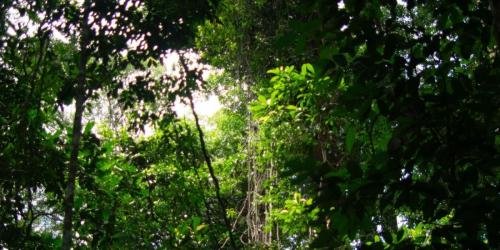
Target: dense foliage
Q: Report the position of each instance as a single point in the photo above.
(344, 124)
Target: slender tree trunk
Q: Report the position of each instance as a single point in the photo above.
(212, 174)
(194, 165)
(77, 131)
(72, 171)
(204, 150)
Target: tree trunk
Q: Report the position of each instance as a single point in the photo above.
(204, 151)
(212, 173)
(73, 167)
(77, 131)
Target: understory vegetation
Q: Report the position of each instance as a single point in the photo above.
(342, 124)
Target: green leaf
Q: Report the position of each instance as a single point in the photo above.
(88, 128)
(262, 99)
(256, 108)
(200, 227)
(310, 68)
(274, 71)
(303, 70)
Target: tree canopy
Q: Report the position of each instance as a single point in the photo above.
(343, 124)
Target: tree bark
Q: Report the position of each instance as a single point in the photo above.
(73, 167)
(77, 131)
